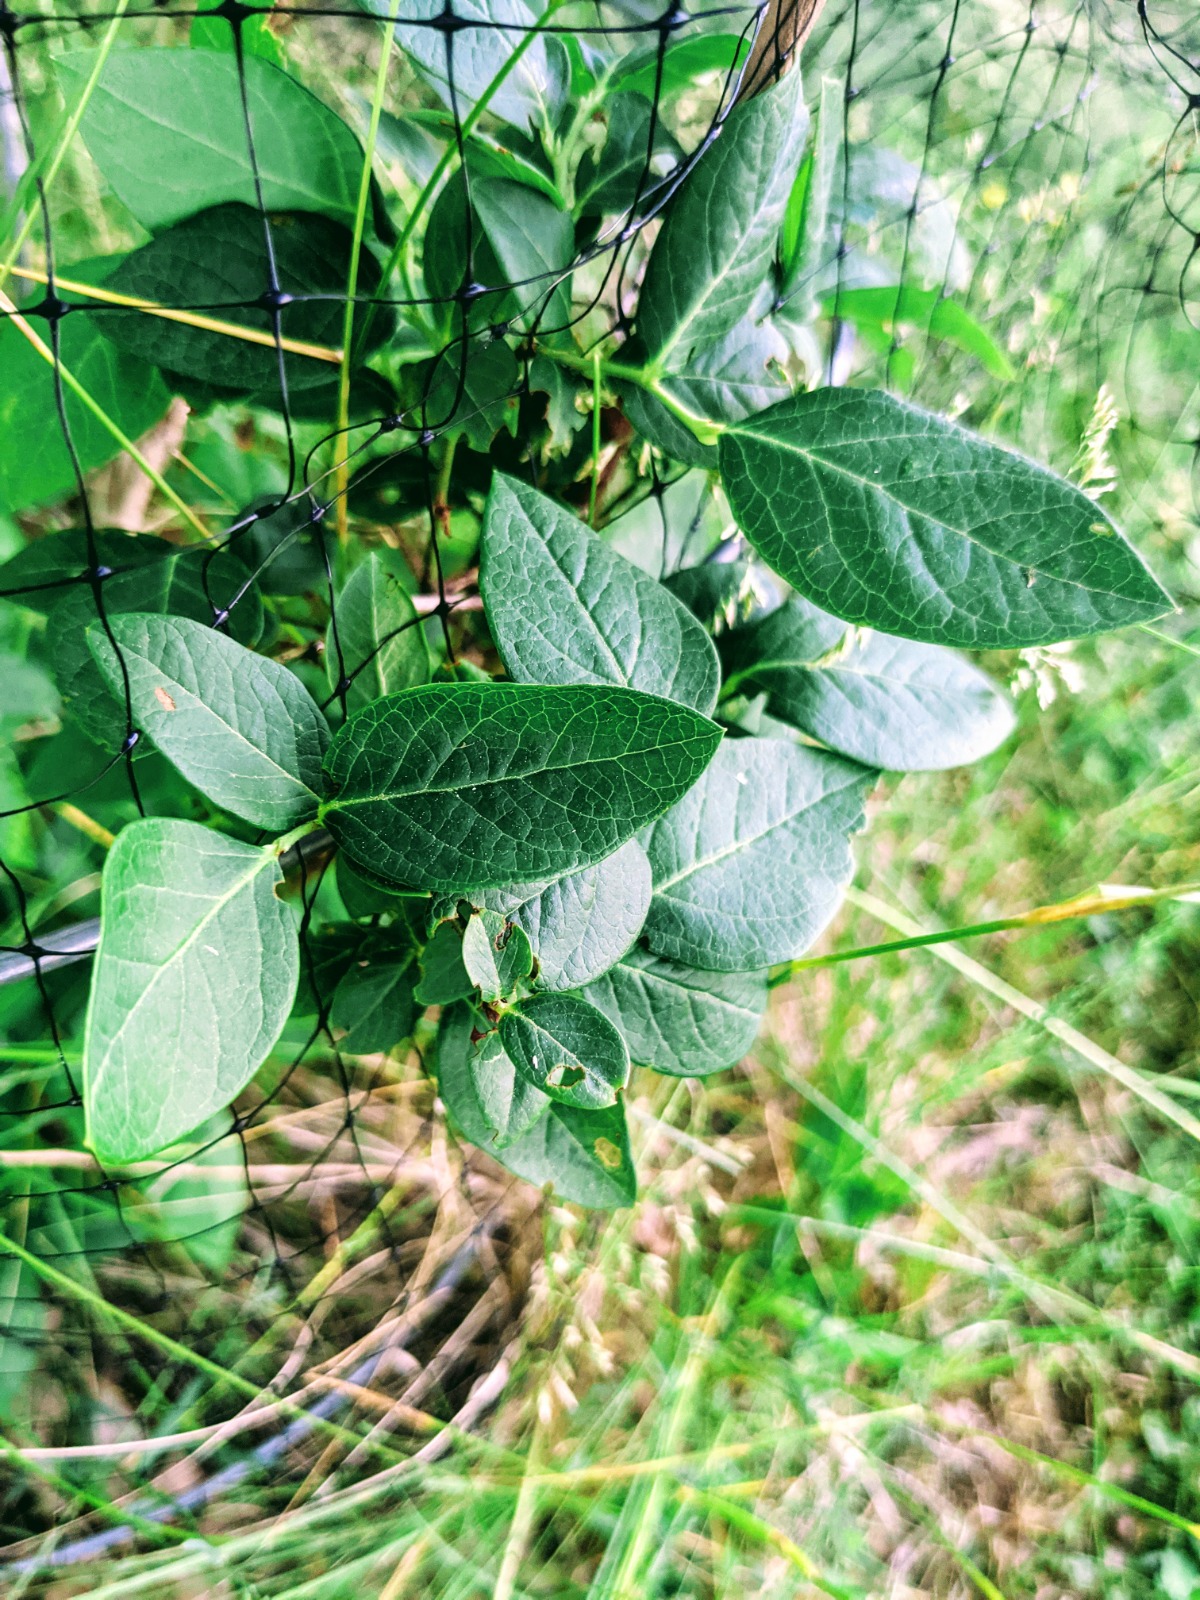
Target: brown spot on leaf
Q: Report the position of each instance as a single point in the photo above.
(607, 1154)
(163, 698)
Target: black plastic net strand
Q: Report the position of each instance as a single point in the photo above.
(993, 115)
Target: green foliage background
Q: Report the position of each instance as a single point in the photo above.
(908, 1301)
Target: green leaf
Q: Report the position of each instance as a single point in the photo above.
(239, 726)
(565, 608)
(476, 785)
(804, 240)
(167, 130)
(496, 954)
(717, 245)
(35, 464)
(382, 644)
(583, 1154)
(218, 259)
(194, 582)
(486, 400)
(567, 1049)
(39, 575)
(489, 31)
(678, 1020)
(892, 517)
(522, 242)
(750, 866)
(373, 1001)
(682, 524)
(579, 925)
(194, 978)
(693, 56)
(216, 33)
(444, 977)
(927, 311)
(882, 701)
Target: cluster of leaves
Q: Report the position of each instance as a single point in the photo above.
(591, 857)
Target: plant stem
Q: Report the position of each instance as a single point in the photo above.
(1088, 905)
(341, 439)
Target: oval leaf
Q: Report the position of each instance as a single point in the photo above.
(750, 866)
(885, 702)
(564, 608)
(892, 517)
(195, 975)
(477, 785)
(506, 1104)
(239, 726)
(567, 1049)
(678, 1020)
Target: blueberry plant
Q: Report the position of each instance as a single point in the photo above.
(576, 830)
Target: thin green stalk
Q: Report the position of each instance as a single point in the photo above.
(763, 1532)
(341, 440)
(1079, 1043)
(595, 489)
(645, 1506)
(1041, 916)
(1179, 644)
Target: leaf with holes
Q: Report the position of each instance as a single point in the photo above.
(565, 608)
(579, 925)
(508, 1104)
(567, 1049)
(239, 726)
(476, 785)
(680, 1021)
(583, 1155)
(194, 978)
(892, 517)
(751, 864)
(378, 645)
(882, 701)
(496, 954)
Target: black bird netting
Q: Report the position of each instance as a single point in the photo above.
(282, 281)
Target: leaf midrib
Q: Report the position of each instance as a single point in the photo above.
(338, 804)
(265, 859)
